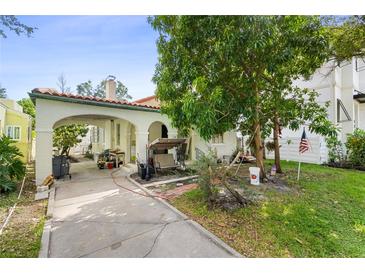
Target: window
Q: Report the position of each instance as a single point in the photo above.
(94, 134)
(118, 134)
(13, 132)
(217, 139)
(341, 106)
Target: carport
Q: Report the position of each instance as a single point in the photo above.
(137, 122)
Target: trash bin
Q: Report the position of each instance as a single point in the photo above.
(254, 175)
(149, 172)
(142, 171)
(60, 166)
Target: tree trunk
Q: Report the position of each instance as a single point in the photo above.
(276, 144)
(239, 198)
(259, 150)
(242, 200)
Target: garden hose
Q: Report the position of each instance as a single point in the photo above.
(131, 190)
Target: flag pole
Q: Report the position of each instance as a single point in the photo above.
(298, 171)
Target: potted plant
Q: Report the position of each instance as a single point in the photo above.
(101, 164)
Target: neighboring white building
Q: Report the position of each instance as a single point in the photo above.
(128, 126)
(342, 87)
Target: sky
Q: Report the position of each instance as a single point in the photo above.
(82, 48)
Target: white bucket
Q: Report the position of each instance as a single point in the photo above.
(254, 175)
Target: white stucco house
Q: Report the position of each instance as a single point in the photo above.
(344, 87)
(128, 126)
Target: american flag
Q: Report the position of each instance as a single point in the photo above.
(304, 143)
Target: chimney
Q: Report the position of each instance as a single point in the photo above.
(110, 87)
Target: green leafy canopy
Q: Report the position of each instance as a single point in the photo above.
(66, 137)
(217, 73)
(28, 108)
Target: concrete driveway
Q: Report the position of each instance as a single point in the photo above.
(93, 217)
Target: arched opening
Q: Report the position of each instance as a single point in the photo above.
(103, 133)
(157, 130)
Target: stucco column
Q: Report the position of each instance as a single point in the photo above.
(141, 143)
(108, 135)
(43, 159)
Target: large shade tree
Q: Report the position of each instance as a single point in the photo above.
(302, 48)
(215, 73)
(292, 108)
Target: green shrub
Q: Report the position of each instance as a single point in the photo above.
(12, 168)
(356, 147)
(208, 171)
(336, 152)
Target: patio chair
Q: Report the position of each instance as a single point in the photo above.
(164, 161)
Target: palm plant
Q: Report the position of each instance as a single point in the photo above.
(12, 168)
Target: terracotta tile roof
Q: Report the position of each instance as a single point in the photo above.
(142, 100)
(53, 92)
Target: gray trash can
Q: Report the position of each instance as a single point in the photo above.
(60, 167)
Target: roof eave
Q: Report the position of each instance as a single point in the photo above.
(35, 95)
(360, 98)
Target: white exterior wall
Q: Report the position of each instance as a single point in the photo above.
(226, 148)
(289, 150)
(349, 83)
(67, 113)
(338, 84)
(362, 116)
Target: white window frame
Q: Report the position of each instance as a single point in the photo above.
(13, 132)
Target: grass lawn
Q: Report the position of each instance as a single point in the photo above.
(324, 216)
(22, 236)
